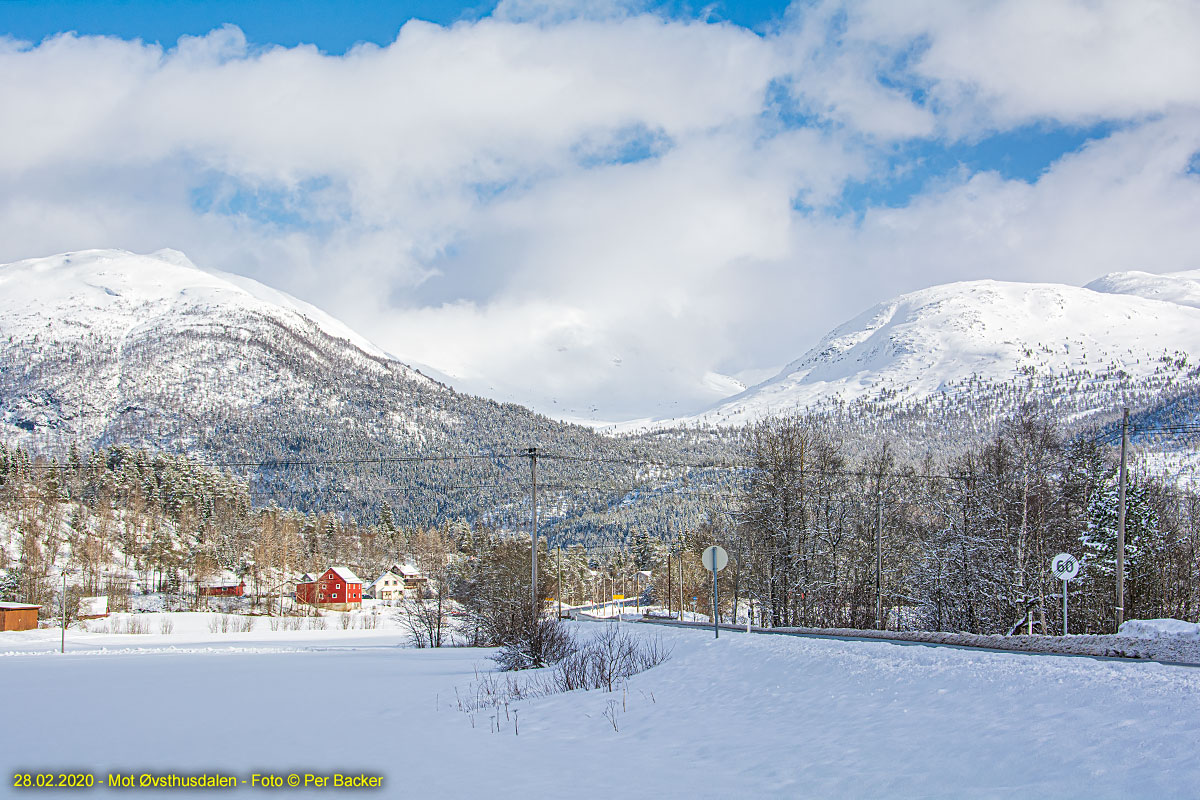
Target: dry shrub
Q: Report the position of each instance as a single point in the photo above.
(531, 642)
(607, 659)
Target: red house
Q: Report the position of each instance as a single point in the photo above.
(18, 616)
(336, 589)
(223, 589)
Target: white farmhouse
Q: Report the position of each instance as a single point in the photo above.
(388, 587)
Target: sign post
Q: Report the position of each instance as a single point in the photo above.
(715, 558)
(1066, 567)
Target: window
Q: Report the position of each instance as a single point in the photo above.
(337, 586)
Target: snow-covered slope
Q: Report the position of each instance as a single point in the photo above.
(940, 339)
(1181, 288)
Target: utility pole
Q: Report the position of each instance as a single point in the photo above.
(1121, 523)
(559, 581)
(670, 600)
(532, 452)
(64, 612)
(879, 559)
(681, 584)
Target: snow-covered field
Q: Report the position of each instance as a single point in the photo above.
(742, 716)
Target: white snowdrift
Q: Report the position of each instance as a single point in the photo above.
(1160, 629)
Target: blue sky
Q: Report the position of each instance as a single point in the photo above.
(629, 200)
(332, 25)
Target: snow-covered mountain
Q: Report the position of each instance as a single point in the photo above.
(107, 336)
(106, 347)
(1129, 327)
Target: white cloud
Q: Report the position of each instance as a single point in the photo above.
(1002, 64)
(595, 210)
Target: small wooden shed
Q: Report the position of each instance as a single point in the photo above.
(18, 616)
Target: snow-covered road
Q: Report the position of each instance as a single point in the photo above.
(742, 716)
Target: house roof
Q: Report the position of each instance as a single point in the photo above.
(222, 583)
(346, 574)
(309, 577)
(17, 606)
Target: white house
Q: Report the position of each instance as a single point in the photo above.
(397, 582)
(413, 579)
(388, 587)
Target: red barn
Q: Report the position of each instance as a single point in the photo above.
(18, 616)
(336, 589)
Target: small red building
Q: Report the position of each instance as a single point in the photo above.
(18, 616)
(222, 589)
(336, 589)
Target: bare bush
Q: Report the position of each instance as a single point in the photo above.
(347, 620)
(425, 620)
(532, 642)
(214, 624)
(316, 623)
(245, 624)
(495, 691)
(275, 622)
(607, 659)
(166, 624)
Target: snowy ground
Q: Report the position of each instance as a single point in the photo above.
(742, 716)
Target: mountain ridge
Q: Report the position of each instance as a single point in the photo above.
(930, 341)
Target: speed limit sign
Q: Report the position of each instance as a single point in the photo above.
(1064, 566)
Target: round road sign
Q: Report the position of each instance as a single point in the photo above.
(1064, 566)
(717, 554)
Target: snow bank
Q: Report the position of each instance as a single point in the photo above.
(1160, 628)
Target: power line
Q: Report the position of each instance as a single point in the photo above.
(302, 462)
(649, 462)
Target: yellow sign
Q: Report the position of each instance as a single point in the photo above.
(618, 597)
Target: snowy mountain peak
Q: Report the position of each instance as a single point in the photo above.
(935, 340)
(115, 287)
(111, 345)
(1181, 288)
